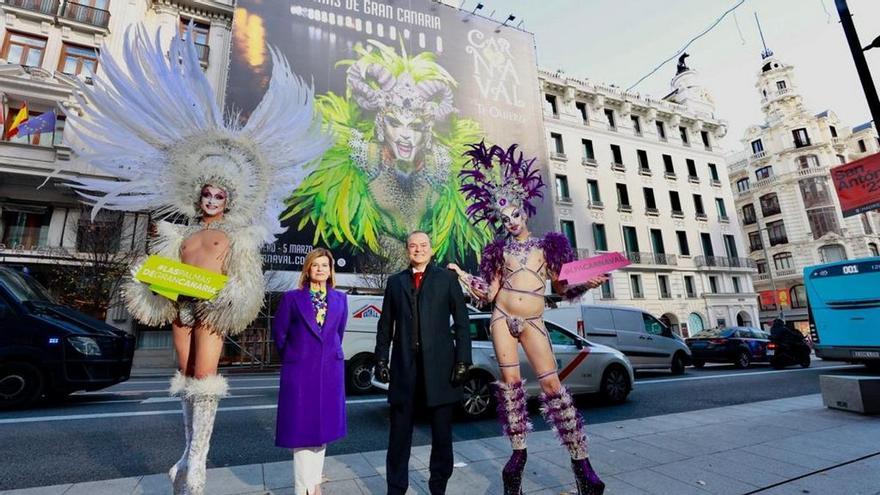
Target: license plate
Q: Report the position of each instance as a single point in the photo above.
(771, 352)
(866, 354)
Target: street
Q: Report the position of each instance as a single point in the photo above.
(135, 429)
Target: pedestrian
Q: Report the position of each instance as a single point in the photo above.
(308, 330)
(428, 361)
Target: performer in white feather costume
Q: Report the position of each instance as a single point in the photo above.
(153, 121)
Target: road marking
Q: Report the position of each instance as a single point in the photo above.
(746, 374)
(70, 417)
(231, 378)
(157, 400)
(161, 390)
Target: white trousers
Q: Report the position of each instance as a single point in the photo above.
(308, 468)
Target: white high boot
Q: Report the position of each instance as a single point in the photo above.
(178, 471)
(205, 395)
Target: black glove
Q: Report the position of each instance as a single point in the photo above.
(381, 372)
(459, 373)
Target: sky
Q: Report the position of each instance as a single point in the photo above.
(619, 41)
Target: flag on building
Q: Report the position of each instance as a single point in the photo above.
(44, 122)
(20, 117)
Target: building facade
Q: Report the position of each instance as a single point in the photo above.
(48, 46)
(784, 196)
(644, 177)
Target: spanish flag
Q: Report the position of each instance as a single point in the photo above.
(20, 117)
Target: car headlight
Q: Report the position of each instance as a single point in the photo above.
(85, 345)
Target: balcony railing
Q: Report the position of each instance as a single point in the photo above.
(702, 216)
(669, 175)
(625, 208)
(645, 171)
(802, 144)
(48, 7)
(85, 14)
(724, 262)
(758, 155)
(589, 162)
(787, 272)
(836, 141)
(618, 166)
(652, 212)
(723, 218)
(642, 258)
(770, 211)
(564, 200)
(755, 247)
(749, 220)
(716, 182)
(596, 205)
(693, 179)
(677, 214)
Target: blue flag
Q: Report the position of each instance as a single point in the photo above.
(41, 123)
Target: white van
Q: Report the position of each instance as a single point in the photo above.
(647, 342)
(359, 342)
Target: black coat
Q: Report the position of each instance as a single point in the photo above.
(439, 297)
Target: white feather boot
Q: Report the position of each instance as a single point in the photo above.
(205, 395)
(177, 473)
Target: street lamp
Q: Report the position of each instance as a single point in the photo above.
(858, 54)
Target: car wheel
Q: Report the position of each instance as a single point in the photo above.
(698, 363)
(478, 400)
(360, 373)
(678, 363)
(615, 384)
(20, 384)
(743, 360)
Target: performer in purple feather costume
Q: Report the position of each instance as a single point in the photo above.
(502, 187)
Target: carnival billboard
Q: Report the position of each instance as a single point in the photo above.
(405, 86)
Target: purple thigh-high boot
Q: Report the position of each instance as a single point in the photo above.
(559, 411)
(514, 417)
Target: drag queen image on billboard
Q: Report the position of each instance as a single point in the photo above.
(394, 165)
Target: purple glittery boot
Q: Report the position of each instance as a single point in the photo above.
(514, 417)
(559, 411)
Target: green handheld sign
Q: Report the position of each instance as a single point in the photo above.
(171, 279)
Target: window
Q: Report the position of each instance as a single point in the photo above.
(661, 130)
(755, 242)
(600, 241)
(616, 155)
(92, 12)
(822, 221)
(698, 205)
(801, 138)
(713, 172)
(622, 196)
(689, 288)
(675, 202)
(24, 50)
(568, 230)
(783, 261)
(588, 149)
(593, 189)
(872, 248)
(630, 239)
(742, 185)
(657, 241)
(722, 210)
(683, 248)
(479, 330)
(643, 160)
(683, 132)
(637, 125)
(581, 108)
(551, 105)
(730, 246)
(736, 286)
(562, 193)
(832, 252)
(761, 266)
(557, 142)
(780, 85)
(558, 336)
(815, 192)
(776, 233)
(706, 241)
(668, 166)
(25, 226)
(841, 159)
(807, 161)
(748, 213)
(650, 202)
(713, 284)
(692, 168)
(76, 60)
(862, 147)
(100, 236)
(770, 204)
(798, 297)
(833, 131)
(764, 172)
(607, 290)
(609, 116)
(200, 37)
(663, 283)
(46, 139)
(705, 137)
(635, 283)
(757, 147)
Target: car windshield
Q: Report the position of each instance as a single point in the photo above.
(24, 288)
(714, 333)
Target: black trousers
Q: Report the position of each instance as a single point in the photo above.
(400, 442)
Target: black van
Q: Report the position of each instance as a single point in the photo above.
(50, 349)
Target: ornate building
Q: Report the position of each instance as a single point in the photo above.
(644, 177)
(784, 196)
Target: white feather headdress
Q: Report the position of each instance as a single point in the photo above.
(153, 121)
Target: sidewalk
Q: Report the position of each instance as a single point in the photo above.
(780, 447)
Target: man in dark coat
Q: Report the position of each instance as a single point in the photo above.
(429, 361)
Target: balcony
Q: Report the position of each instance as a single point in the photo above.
(787, 272)
(589, 162)
(686, 144)
(749, 220)
(625, 208)
(618, 167)
(652, 212)
(558, 155)
(775, 241)
(767, 181)
(645, 171)
(836, 141)
(85, 14)
(758, 156)
(723, 218)
(641, 258)
(707, 147)
(693, 179)
(677, 214)
(612, 127)
(715, 182)
(565, 200)
(770, 211)
(802, 144)
(755, 247)
(702, 217)
(45, 7)
(662, 139)
(724, 262)
(669, 175)
(595, 205)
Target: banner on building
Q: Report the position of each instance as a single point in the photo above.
(405, 85)
(858, 185)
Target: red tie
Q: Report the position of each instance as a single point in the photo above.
(417, 278)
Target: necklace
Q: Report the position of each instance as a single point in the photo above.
(521, 249)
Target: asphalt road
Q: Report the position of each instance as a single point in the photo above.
(134, 428)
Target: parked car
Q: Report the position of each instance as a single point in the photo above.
(584, 367)
(738, 345)
(645, 340)
(50, 349)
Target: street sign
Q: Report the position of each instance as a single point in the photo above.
(858, 185)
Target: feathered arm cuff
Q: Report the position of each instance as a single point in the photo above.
(557, 252)
(492, 261)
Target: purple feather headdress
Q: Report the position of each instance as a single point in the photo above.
(499, 178)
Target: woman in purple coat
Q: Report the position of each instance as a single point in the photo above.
(308, 328)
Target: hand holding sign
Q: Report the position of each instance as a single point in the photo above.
(591, 270)
(171, 279)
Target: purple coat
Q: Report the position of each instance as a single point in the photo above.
(311, 400)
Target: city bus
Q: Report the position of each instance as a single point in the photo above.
(843, 300)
